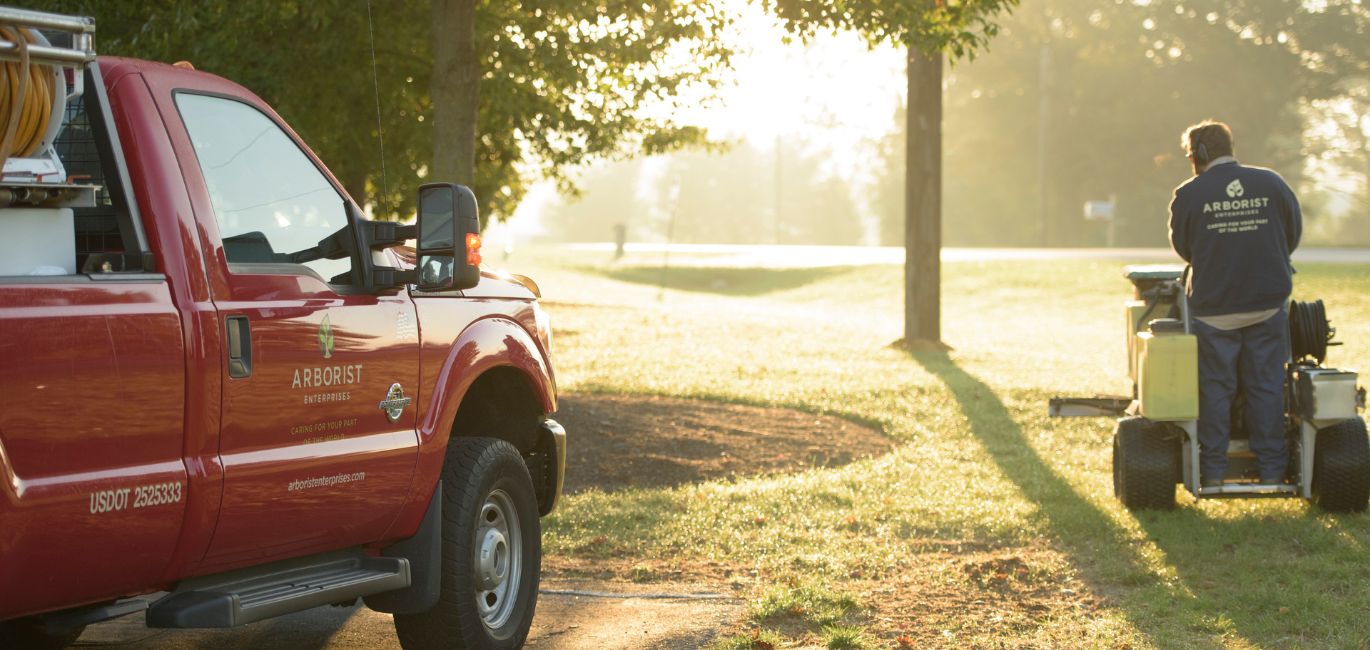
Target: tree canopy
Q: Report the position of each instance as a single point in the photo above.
(1122, 81)
(958, 28)
(560, 83)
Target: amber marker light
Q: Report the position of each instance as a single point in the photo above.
(472, 249)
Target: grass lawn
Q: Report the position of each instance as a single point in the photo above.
(990, 525)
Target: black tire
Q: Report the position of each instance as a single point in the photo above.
(1341, 467)
(480, 472)
(1146, 464)
(33, 632)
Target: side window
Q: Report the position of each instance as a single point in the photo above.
(273, 206)
(102, 230)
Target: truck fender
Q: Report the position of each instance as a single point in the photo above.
(485, 344)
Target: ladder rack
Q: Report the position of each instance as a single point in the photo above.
(41, 180)
(77, 56)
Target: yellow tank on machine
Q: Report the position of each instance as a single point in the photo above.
(1135, 312)
(1167, 376)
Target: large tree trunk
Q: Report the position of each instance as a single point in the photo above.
(923, 200)
(455, 91)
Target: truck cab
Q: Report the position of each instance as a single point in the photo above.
(229, 397)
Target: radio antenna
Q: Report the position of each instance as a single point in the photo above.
(376, 85)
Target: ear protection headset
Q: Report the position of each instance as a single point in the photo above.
(1199, 150)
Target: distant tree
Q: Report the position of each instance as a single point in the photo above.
(929, 29)
(1080, 101)
(490, 94)
(719, 194)
(1122, 80)
(715, 197)
(887, 190)
(1339, 145)
(610, 195)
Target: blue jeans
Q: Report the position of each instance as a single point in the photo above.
(1258, 352)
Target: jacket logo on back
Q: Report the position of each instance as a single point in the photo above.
(1237, 207)
(1234, 190)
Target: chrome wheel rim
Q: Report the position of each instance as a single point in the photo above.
(498, 559)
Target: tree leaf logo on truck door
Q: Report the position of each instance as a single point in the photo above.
(326, 338)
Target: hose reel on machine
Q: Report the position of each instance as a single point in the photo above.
(1310, 333)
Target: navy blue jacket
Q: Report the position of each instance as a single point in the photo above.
(1236, 226)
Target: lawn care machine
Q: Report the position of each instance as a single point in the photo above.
(1155, 445)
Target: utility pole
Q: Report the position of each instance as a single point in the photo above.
(779, 191)
(1043, 123)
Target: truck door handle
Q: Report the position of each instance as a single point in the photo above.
(239, 347)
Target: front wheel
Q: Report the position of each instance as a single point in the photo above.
(491, 553)
(1146, 464)
(1341, 467)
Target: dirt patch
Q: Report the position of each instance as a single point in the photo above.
(629, 616)
(996, 597)
(620, 441)
(719, 575)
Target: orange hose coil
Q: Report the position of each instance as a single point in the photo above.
(25, 98)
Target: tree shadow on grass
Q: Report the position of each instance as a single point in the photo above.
(1267, 576)
(1109, 561)
(726, 281)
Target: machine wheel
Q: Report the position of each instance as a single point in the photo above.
(1341, 467)
(491, 553)
(1146, 464)
(33, 632)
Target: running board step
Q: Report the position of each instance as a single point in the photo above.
(1248, 490)
(241, 597)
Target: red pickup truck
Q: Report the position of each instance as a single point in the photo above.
(239, 402)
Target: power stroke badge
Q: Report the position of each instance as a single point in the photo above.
(395, 402)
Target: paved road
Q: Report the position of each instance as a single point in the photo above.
(810, 256)
(631, 619)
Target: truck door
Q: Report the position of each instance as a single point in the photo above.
(318, 441)
(92, 396)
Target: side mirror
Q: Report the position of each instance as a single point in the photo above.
(449, 238)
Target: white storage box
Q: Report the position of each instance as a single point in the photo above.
(1326, 395)
(37, 241)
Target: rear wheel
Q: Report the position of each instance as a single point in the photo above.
(1341, 467)
(33, 632)
(1146, 464)
(491, 553)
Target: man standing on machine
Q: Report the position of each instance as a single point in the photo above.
(1236, 226)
